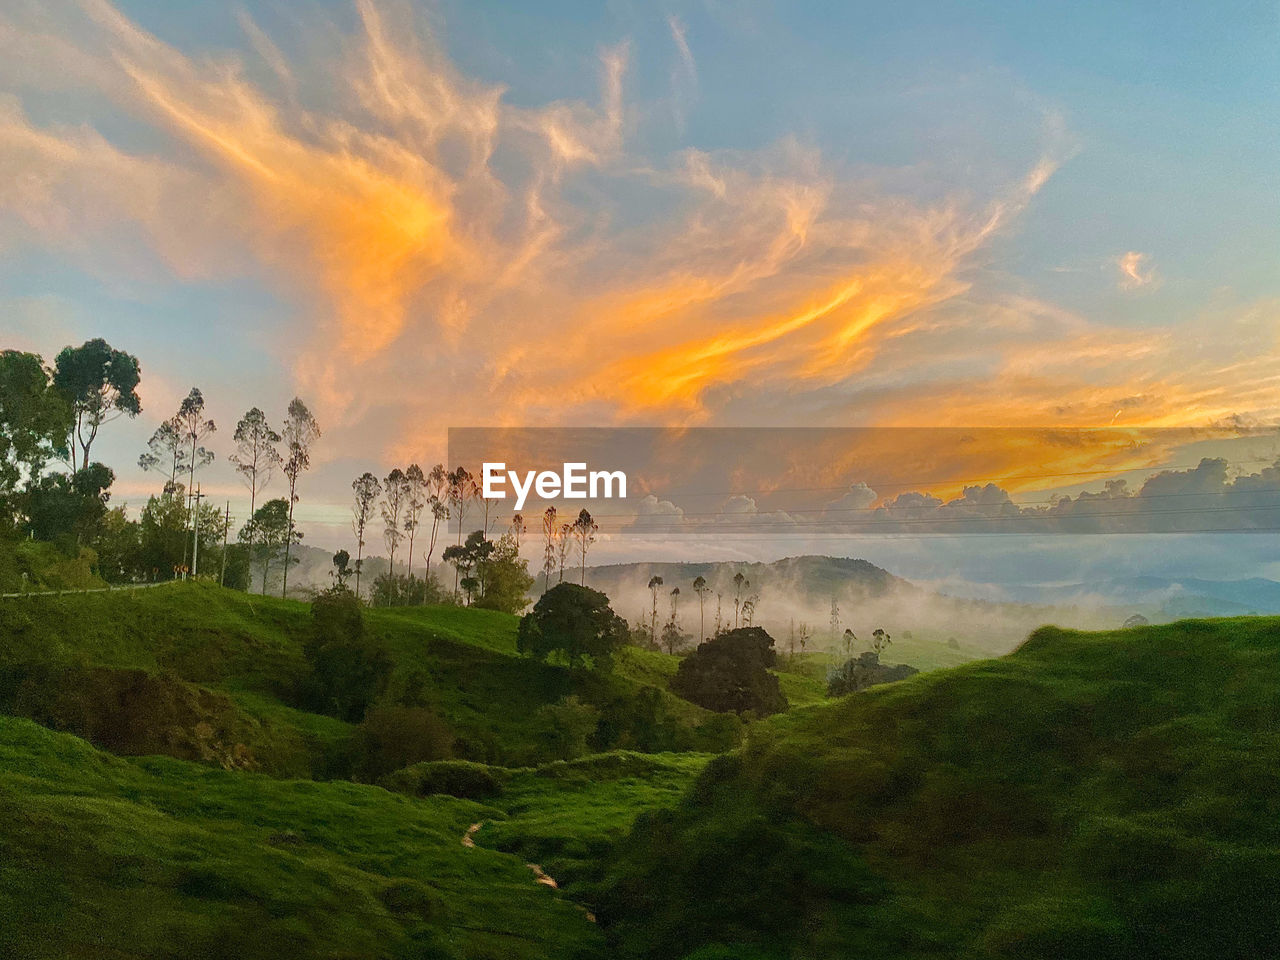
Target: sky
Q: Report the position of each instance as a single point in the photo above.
(419, 216)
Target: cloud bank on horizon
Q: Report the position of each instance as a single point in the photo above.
(445, 249)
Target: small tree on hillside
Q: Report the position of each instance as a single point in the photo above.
(847, 641)
(341, 571)
(574, 621)
(880, 640)
(505, 577)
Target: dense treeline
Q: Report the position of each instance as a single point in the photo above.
(57, 525)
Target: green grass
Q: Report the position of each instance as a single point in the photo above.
(463, 661)
(103, 857)
(1107, 795)
(566, 816)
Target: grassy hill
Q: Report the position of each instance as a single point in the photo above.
(103, 857)
(192, 653)
(1106, 795)
(1109, 795)
(111, 856)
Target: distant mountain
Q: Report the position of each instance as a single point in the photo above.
(813, 579)
(1166, 598)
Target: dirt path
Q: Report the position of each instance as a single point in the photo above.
(539, 875)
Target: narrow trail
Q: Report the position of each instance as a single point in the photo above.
(539, 875)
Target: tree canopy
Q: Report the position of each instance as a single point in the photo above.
(730, 672)
(576, 622)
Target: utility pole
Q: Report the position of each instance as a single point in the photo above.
(195, 539)
(226, 532)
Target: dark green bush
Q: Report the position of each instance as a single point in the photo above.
(456, 778)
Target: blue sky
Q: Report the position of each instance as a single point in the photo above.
(424, 215)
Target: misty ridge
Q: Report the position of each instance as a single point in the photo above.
(797, 592)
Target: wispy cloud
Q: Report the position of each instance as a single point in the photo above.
(455, 257)
(684, 75)
(1135, 270)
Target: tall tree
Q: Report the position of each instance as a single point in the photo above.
(367, 490)
(654, 583)
(300, 432)
(166, 454)
(192, 427)
(414, 503)
(740, 583)
(517, 529)
(437, 492)
(35, 421)
(395, 490)
(562, 546)
(256, 457)
(584, 528)
(100, 384)
(549, 528)
(701, 589)
(462, 489)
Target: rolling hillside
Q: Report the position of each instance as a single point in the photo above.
(1108, 795)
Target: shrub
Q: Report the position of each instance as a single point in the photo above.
(394, 736)
(455, 778)
(564, 727)
(348, 669)
(865, 671)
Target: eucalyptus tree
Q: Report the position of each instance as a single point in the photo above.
(654, 583)
(414, 503)
(549, 528)
(192, 427)
(367, 490)
(257, 457)
(517, 529)
(100, 384)
(740, 583)
(395, 493)
(166, 454)
(701, 589)
(299, 434)
(584, 528)
(564, 534)
(462, 490)
(437, 492)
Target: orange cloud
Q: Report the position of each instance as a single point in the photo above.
(453, 257)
